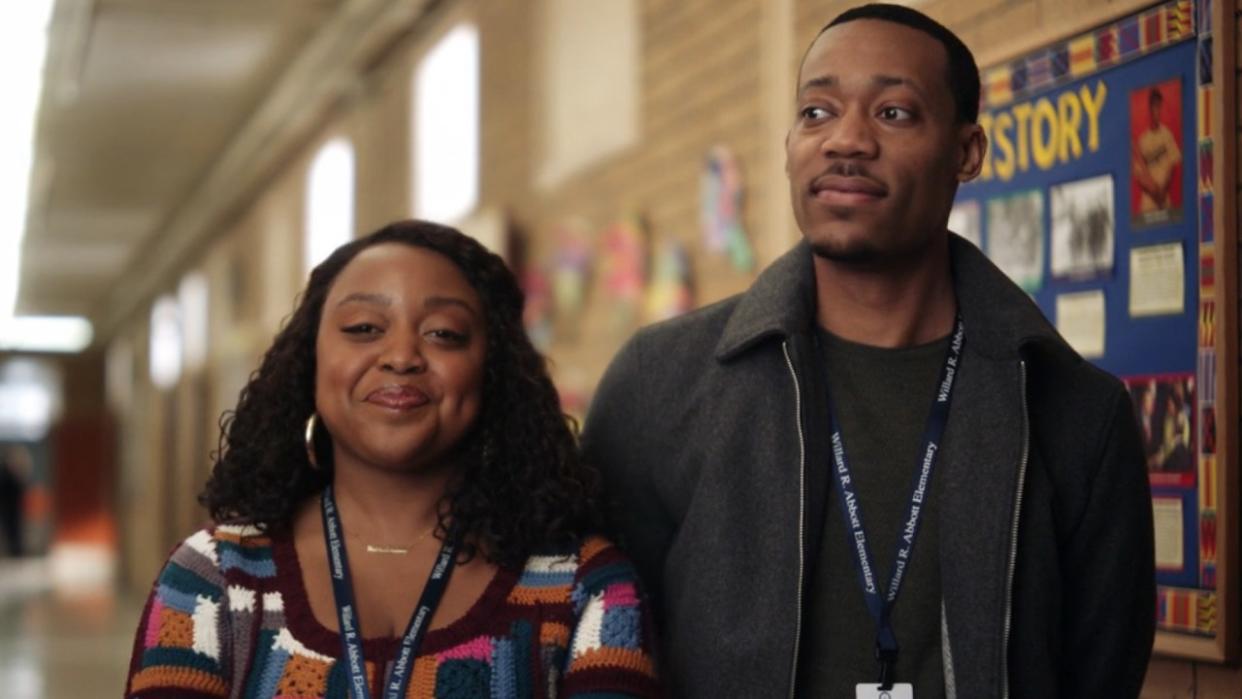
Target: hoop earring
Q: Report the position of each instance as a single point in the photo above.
(308, 437)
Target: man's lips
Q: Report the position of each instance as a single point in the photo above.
(848, 189)
(398, 397)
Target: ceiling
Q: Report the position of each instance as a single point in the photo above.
(154, 114)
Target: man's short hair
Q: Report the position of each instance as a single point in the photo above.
(1155, 97)
(963, 76)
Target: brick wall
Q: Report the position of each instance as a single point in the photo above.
(700, 87)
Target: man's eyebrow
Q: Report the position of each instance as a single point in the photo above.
(821, 81)
(895, 81)
(880, 80)
(364, 297)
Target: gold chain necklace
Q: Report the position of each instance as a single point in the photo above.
(397, 550)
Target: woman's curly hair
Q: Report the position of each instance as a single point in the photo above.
(522, 488)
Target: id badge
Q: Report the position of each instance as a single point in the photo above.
(900, 690)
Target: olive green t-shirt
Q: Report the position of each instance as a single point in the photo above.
(883, 398)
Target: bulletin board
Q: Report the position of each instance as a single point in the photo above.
(1108, 195)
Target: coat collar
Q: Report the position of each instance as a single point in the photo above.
(1000, 318)
(780, 303)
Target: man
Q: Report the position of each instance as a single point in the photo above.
(768, 454)
(1156, 157)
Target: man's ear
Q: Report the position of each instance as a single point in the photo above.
(973, 144)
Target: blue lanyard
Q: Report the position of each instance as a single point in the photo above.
(880, 602)
(347, 616)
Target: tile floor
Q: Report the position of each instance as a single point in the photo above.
(56, 644)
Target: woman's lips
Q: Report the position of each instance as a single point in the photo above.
(398, 397)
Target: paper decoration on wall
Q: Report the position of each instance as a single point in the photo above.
(1156, 156)
(964, 221)
(1081, 321)
(1083, 228)
(538, 313)
(1164, 409)
(1016, 237)
(1168, 520)
(671, 291)
(624, 248)
(720, 214)
(571, 268)
(1157, 280)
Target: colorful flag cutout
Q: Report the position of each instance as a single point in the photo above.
(1207, 269)
(1206, 621)
(1206, 98)
(1060, 61)
(1179, 17)
(1205, 61)
(1152, 25)
(1207, 323)
(1082, 55)
(1106, 45)
(999, 88)
(1128, 40)
(1207, 223)
(1207, 373)
(1207, 486)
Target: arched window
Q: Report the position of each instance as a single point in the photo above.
(329, 201)
(446, 127)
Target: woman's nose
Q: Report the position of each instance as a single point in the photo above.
(403, 356)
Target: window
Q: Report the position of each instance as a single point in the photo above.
(119, 375)
(446, 127)
(329, 201)
(192, 302)
(165, 356)
(590, 66)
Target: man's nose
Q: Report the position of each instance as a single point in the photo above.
(850, 136)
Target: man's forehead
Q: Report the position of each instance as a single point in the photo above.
(879, 47)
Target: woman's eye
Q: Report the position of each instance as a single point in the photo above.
(451, 337)
(361, 329)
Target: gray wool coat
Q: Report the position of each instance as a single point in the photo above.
(710, 432)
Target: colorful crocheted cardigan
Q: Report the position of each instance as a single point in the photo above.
(229, 617)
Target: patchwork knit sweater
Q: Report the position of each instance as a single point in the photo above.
(228, 617)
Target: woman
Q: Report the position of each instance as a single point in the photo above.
(398, 468)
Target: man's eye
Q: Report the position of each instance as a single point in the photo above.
(814, 113)
(896, 114)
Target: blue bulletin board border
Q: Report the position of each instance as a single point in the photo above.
(1061, 115)
(1088, 53)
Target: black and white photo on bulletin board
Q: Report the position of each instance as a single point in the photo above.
(1083, 228)
(1015, 239)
